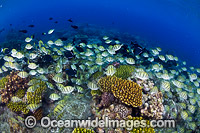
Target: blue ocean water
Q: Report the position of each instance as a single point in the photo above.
(172, 25)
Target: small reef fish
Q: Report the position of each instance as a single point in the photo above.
(51, 31)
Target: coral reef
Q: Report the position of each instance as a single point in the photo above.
(14, 83)
(38, 114)
(127, 91)
(3, 82)
(124, 71)
(153, 107)
(106, 99)
(96, 75)
(36, 96)
(18, 99)
(18, 107)
(83, 130)
(147, 129)
(146, 85)
(95, 92)
(114, 111)
(122, 111)
(20, 93)
(16, 126)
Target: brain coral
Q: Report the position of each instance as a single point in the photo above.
(127, 91)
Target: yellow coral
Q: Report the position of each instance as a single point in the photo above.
(14, 83)
(20, 93)
(124, 71)
(36, 96)
(18, 107)
(127, 91)
(3, 82)
(83, 130)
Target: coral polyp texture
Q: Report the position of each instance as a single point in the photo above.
(12, 83)
(127, 91)
(36, 96)
(18, 107)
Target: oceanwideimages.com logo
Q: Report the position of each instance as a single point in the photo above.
(46, 122)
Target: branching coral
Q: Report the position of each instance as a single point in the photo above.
(147, 85)
(153, 107)
(124, 71)
(127, 91)
(14, 83)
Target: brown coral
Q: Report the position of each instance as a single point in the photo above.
(38, 114)
(106, 99)
(13, 84)
(127, 91)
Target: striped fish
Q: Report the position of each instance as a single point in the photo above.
(58, 109)
(67, 89)
(54, 96)
(15, 99)
(33, 107)
(23, 74)
(165, 85)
